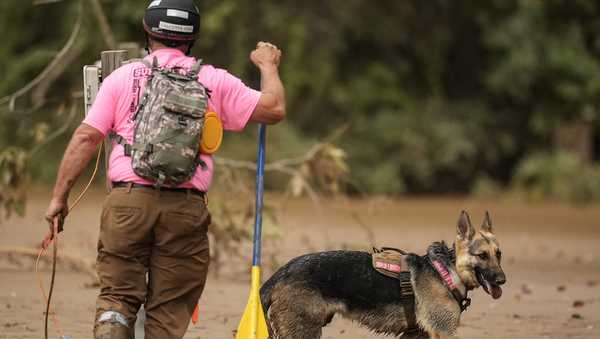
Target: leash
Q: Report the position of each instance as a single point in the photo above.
(52, 239)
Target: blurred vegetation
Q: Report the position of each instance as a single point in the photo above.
(439, 96)
(558, 175)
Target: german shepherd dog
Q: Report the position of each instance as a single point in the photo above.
(305, 294)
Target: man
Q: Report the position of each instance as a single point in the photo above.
(159, 232)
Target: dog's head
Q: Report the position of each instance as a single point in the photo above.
(478, 256)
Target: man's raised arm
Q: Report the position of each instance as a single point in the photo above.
(271, 106)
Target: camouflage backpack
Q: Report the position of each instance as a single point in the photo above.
(168, 126)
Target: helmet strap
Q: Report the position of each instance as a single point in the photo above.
(190, 46)
(146, 43)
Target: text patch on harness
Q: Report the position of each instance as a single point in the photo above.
(389, 262)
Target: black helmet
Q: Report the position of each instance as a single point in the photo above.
(172, 20)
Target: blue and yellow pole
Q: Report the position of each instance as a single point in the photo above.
(253, 324)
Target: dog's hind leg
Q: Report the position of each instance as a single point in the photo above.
(297, 312)
(294, 325)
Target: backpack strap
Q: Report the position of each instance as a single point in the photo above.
(161, 180)
(146, 63)
(152, 65)
(195, 70)
(127, 148)
(202, 163)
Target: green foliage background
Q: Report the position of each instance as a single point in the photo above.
(439, 94)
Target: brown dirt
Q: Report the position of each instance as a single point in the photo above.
(552, 261)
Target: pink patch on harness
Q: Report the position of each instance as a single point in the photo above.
(388, 267)
(443, 271)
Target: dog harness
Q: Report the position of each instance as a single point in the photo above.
(391, 262)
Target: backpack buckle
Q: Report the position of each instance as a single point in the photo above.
(149, 148)
(127, 149)
(182, 121)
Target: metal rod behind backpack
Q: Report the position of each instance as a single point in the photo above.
(92, 80)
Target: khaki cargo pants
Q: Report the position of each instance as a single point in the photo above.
(159, 233)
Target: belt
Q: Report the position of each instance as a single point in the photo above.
(121, 184)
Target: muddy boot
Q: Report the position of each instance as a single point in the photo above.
(112, 325)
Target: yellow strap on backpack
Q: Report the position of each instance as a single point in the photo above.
(212, 133)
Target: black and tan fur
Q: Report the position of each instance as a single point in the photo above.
(305, 294)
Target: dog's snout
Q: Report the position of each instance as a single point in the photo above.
(500, 279)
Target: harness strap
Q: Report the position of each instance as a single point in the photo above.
(408, 302)
(391, 262)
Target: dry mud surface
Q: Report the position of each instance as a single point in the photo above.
(551, 251)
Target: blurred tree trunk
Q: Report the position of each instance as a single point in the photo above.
(576, 138)
(39, 94)
(107, 33)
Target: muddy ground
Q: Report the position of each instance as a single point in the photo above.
(551, 251)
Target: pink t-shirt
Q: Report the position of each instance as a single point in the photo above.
(120, 93)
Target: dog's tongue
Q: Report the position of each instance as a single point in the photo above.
(496, 292)
(493, 290)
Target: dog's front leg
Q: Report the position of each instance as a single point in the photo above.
(437, 335)
(415, 335)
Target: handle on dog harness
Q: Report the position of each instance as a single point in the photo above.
(383, 249)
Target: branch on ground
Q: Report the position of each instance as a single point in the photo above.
(16, 255)
(322, 168)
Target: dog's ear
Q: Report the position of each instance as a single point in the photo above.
(465, 230)
(486, 226)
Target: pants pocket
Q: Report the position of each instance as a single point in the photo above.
(183, 233)
(122, 229)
